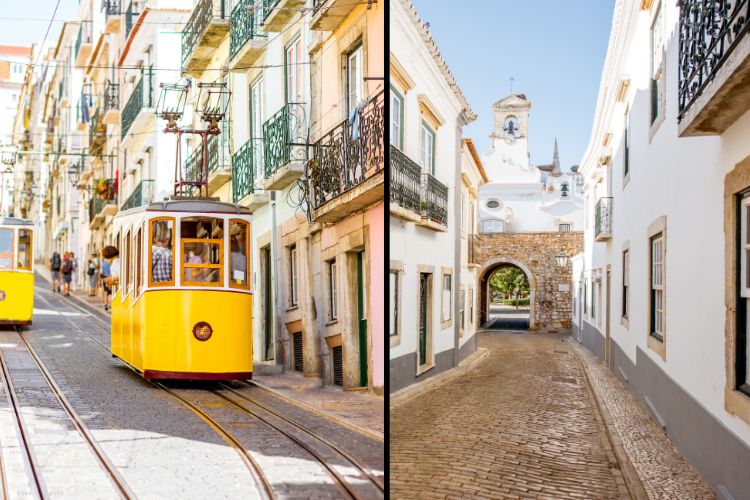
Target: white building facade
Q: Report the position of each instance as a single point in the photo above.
(661, 285)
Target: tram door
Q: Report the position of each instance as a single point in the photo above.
(362, 322)
(265, 262)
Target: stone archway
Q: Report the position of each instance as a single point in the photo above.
(488, 269)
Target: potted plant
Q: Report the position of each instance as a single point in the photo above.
(423, 206)
(103, 188)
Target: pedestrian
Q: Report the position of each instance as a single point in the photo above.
(92, 272)
(66, 271)
(110, 273)
(54, 265)
(74, 270)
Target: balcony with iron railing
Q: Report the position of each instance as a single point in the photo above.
(138, 110)
(329, 14)
(284, 146)
(83, 46)
(416, 195)
(714, 65)
(247, 39)
(603, 219)
(103, 202)
(219, 169)
(345, 172)
(131, 15)
(247, 175)
(204, 31)
(141, 195)
(111, 103)
(112, 12)
(278, 13)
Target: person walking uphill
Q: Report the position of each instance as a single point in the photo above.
(110, 273)
(54, 266)
(67, 273)
(92, 272)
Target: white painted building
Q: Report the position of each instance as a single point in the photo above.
(519, 196)
(428, 112)
(667, 172)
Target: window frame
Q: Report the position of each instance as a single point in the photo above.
(657, 289)
(248, 261)
(400, 98)
(424, 132)
(12, 249)
(298, 72)
(333, 297)
(293, 277)
(656, 69)
(125, 264)
(625, 283)
(220, 265)
(29, 250)
(446, 313)
(357, 51)
(394, 302)
(138, 251)
(150, 270)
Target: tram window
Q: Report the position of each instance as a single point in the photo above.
(24, 249)
(138, 260)
(202, 240)
(162, 243)
(128, 280)
(6, 248)
(239, 245)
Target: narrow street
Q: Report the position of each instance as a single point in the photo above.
(83, 421)
(524, 423)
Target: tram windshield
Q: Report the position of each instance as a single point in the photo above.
(162, 244)
(202, 240)
(24, 249)
(6, 249)
(238, 246)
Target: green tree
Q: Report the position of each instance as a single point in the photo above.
(510, 282)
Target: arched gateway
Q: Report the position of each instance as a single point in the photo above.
(488, 269)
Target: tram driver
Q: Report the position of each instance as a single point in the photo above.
(161, 258)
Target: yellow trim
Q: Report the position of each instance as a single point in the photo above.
(247, 257)
(429, 112)
(400, 76)
(151, 254)
(126, 265)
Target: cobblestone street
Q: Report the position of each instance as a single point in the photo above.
(524, 423)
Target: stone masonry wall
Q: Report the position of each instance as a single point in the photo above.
(534, 253)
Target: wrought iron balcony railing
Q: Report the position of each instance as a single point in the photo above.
(317, 4)
(130, 16)
(141, 97)
(78, 41)
(196, 25)
(406, 181)
(246, 169)
(268, 6)
(349, 154)
(192, 165)
(246, 23)
(603, 219)
(105, 194)
(284, 136)
(141, 195)
(97, 133)
(709, 31)
(111, 7)
(434, 204)
(111, 97)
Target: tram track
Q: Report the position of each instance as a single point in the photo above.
(262, 483)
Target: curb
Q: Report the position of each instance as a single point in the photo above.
(377, 436)
(632, 479)
(420, 388)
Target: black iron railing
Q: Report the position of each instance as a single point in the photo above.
(111, 97)
(111, 7)
(141, 97)
(245, 24)
(97, 133)
(141, 195)
(317, 4)
(709, 31)
(603, 218)
(196, 25)
(130, 16)
(406, 181)
(284, 137)
(349, 154)
(105, 194)
(246, 169)
(434, 204)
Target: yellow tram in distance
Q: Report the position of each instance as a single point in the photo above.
(184, 283)
(16, 271)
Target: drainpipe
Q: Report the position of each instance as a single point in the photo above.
(275, 277)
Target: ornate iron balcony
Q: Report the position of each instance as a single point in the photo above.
(317, 4)
(246, 23)
(141, 195)
(349, 154)
(709, 31)
(434, 204)
(111, 97)
(105, 194)
(406, 181)
(130, 16)
(268, 6)
(196, 25)
(603, 219)
(141, 97)
(97, 133)
(283, 136)
(112, 7)
(246, 165)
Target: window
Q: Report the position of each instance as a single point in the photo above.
(24, 249)
(447, 297)
(625, 282)
(657, 286)
(128, 257)
(6, 249)
(585, 296)
(295, 72)
(293, 275)
(657, 66)
(493, 226)
(202, 242)
(397, 119)
(139, 261)
(471, 306)
(333, 307)
(742, 376)
(463, 214)
(256, 126)
(461, 307)
(354, 79)
(394, 327)
(427, 149)
(593, 297)
(471, 217)
(239, 254)
(626, 149)
(493, 204)
(161, 263)
(563, 228)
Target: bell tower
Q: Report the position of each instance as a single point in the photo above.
(511, 119)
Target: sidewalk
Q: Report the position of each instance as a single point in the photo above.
(78, 293)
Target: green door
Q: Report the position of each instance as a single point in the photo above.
(423, 318)
(361, 314)
(268, 309)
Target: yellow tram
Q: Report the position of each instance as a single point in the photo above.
(16, 271)
(183, 306)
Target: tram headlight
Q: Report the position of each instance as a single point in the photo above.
(202, 331)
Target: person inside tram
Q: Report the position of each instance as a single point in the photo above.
(195, 255)
(239, 263)
(161, 259)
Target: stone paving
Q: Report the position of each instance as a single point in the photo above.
(664, 473)
(522, 424)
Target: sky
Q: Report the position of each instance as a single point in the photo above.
(553, 49)
(23, 22)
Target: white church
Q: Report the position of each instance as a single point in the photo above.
(520, 197)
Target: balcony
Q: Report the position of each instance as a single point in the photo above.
(139, 109)
(131, 15)
(247, 40)
(415, 195)
(328, 14)
(603, 219)
(346, 170)
(714, 65)
(278, 13)
(143, 194)
(84, 173)
(102, 203)
(97, 134)
(111, 103)
(219, 168)
(247, 168)
(82, 115)
(83, 46)
(203, 33)
(112, 13)
(284, 140)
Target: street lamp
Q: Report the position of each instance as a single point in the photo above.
(171, 105)
(213, 100)
(562, 259)
(73, 173)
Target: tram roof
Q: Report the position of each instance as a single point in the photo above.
(191, 205)
(15, 221)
